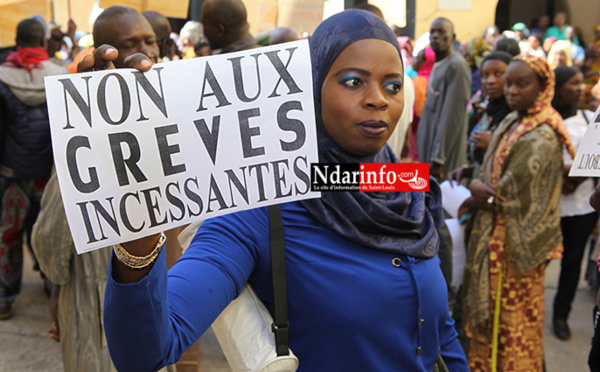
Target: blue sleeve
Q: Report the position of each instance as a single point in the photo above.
(451, 349)
(149, 324)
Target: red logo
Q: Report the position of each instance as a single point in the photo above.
(377, 177)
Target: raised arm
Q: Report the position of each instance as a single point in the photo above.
(149, 323)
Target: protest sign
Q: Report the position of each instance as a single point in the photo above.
(587, 160)
(139, 153)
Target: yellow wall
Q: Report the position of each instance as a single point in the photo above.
(168, 8)
(585, 16)
(80, 11)
(394, 11)
(467, 24)
(300, 15)
(14, 12)
(262, 14)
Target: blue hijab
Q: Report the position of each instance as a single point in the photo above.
(396, 222)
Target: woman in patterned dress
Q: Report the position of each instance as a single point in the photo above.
(515, 225)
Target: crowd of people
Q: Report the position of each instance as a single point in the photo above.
(368, 273)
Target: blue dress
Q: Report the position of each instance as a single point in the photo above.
(351, 308)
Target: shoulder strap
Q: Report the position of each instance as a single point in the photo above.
(280, 326)
(587, 121)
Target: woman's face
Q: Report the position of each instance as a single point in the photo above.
(362, 97)
(533, 42)
(522, 86)
(571, 93)
(492, 78)
(559, 58)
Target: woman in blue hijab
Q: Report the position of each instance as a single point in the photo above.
(365, 289)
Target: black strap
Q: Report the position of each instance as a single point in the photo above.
(280, 326)
(587, 121)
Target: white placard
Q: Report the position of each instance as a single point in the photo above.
(459, 253)
(453, 195)
(139, 153)
(587, 160)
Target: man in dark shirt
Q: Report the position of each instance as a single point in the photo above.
(25, 150)
(226, 26)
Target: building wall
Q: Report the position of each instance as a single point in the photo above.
(262, 14)
(80, 13)
(305, 15)
(584, 14)
(467, 23)
(14, 12)
(525, 11)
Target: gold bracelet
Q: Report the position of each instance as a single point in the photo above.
(136, 262)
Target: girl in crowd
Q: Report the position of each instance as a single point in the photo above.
(475, 49)
(366, 289)
(483, 122)
(578, 218)
(515, 225)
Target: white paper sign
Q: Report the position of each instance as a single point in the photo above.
(139, 153)
(453, 195)
(587, 160)
(459, 253)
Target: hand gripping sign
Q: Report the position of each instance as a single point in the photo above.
(139, 153)
(587, 160)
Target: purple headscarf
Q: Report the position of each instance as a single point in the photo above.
(396, 222)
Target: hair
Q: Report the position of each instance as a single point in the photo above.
(487, 30)
(107, 16)
(228, 12)
(497, 56)
(160, 24)
(508, 45)
(564, 74)
(193, 31)
(30, 33)
(446, 20)
(370, 8)
(539, 37)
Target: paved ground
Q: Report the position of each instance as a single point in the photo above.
(25, 346)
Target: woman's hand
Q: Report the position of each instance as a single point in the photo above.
(484, 195)
(570, 184)
(139, 248)
(459, 173)
(54, 331)
(476, 101)
(466, 206)
(104, 57)
(596, 91)
(481, 139)
(595, 199)
(436, 170)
